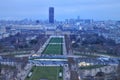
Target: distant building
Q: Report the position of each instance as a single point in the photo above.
(2, 29)
(51, 15)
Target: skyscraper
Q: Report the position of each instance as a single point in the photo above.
(51, 14)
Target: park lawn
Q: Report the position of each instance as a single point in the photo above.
(56, 40)
(53, 49)
(46, 72)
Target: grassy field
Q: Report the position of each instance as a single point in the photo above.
(56, 40)
(45, 72)
(53, 49)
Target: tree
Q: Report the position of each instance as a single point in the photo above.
(100, 76)
(33, 41)
(0, 68)
(118, 71)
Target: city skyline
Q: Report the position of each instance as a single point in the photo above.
(38, 9)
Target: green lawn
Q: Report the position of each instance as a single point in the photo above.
(56, 40)
(46, 72)
(53, 49)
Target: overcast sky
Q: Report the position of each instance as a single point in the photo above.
(38, 9)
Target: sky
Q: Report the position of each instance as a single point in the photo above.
(64, 9)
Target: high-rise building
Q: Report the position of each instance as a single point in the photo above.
(51, 14)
